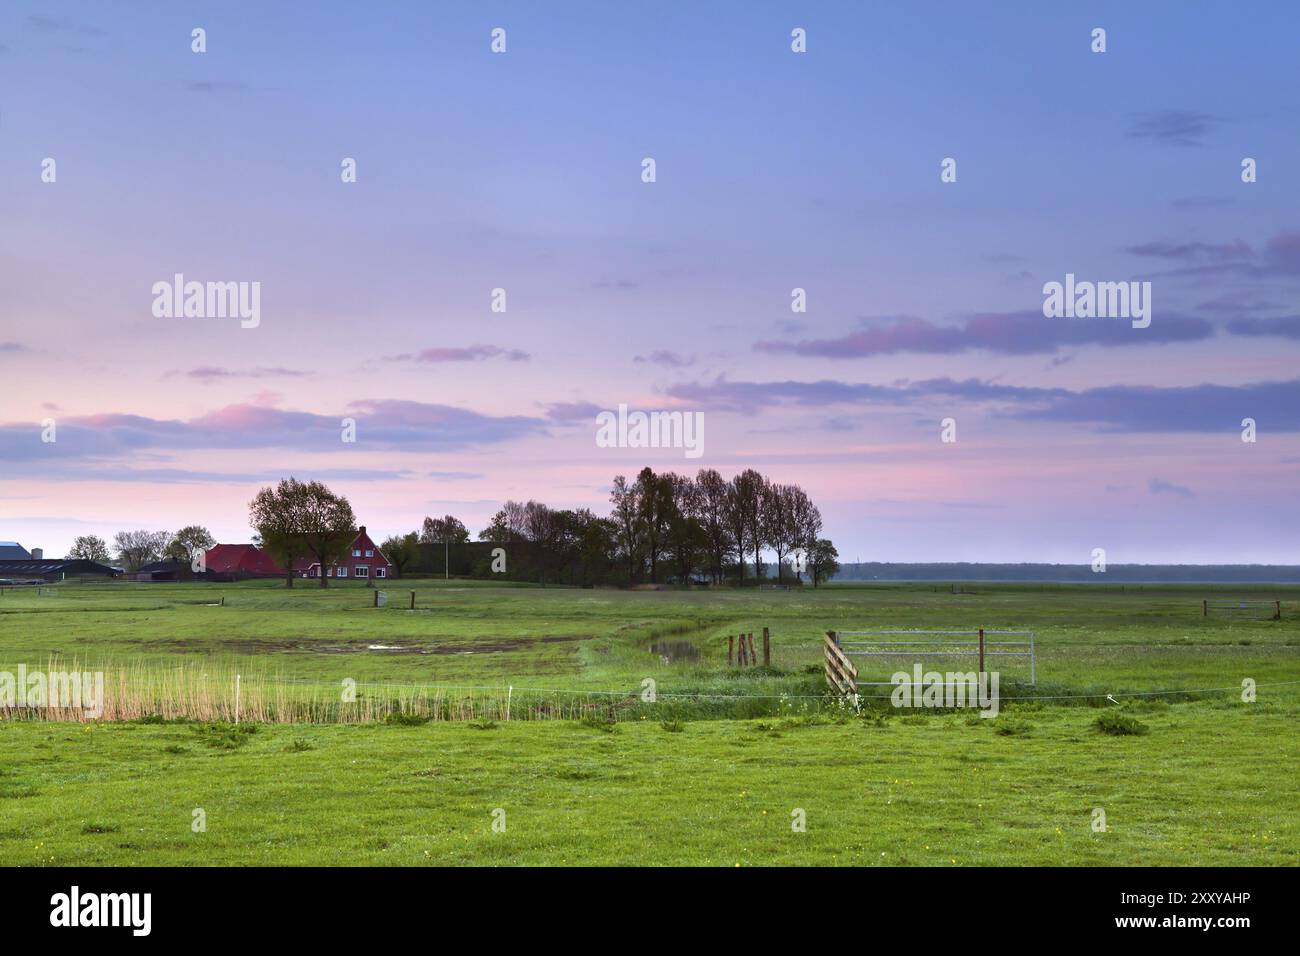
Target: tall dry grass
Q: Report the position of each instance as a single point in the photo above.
(203, 692)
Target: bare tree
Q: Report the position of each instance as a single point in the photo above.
(778, 519)
(711, 509)
(746, 504)
(625, 517)
(135, 549)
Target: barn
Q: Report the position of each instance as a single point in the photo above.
(233, 562)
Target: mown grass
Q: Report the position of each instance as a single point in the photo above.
(1210, 783)
(709, 773)
(481, 639)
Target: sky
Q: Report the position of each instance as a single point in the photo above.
(774, 170)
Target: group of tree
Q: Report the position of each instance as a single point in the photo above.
(298, 519)
(662, 527)
(135, 549)
(708, 525)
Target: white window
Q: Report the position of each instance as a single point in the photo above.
(356, 553)
(369, 553)
(343, 573)
(380, 573)
(363, 571)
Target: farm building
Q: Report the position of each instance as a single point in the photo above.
(54, 569)
(170, 570)
(13, 551)
(363, 560)
(231, 562)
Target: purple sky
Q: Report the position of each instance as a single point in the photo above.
(775, 170)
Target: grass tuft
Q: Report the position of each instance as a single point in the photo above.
(1120, 725)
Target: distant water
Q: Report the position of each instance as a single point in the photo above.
(1072, 573)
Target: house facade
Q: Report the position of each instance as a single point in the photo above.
(363, 561)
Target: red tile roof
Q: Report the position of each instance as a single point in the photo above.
(240, 559)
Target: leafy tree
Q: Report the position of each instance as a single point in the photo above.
(186, 543)
(654, 514)
(446, 529)
(328, 526)
(507, 525)
(808, 525)
(89, 547)
(135, 549)
(276, 514)
(823, 561)
(401, 550)
(686, 537)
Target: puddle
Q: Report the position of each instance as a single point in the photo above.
(671, 652)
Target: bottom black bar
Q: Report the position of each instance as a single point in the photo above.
(319, 905)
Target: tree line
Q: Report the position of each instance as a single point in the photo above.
(135, 549)
(663, 527)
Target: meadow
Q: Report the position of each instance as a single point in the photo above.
(541, 719)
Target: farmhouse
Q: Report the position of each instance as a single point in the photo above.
(363, 560)
(233, 562)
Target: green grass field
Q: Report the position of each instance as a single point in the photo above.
(709, 774)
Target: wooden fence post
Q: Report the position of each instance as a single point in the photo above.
(731, 648)
(1205, 608)
(1277, 612)
(412, 600)
(767, 649)
(981, 651)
